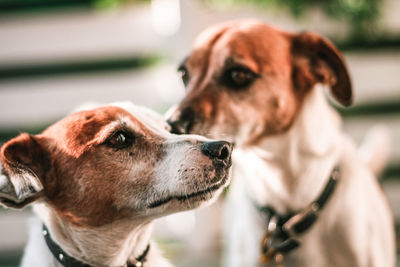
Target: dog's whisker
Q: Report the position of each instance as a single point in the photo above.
(186, 195)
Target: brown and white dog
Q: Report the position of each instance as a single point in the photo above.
(98, 178)
(258, 86)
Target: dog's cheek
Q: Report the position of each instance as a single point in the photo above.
(168, 169)
(180, 168)
(235, 120)
(224, 122)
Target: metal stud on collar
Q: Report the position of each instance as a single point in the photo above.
(137, 264)
(335, 173)
(273, 222)
(278, 259)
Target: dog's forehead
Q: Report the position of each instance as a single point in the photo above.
(210, 34)
(244, 40)
(78, 131)
(95, 120)
(252, 36)
(251, 27)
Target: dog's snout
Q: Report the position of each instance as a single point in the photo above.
(218, 150)
(181, 122)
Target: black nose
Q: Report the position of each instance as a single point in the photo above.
(220, 151)
(181, 122)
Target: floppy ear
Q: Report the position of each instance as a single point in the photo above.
(317, 60)
(24, 161)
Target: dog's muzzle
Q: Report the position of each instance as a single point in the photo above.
(181, 121)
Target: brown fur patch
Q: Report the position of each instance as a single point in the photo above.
(87, 182)
(287, 66)
(320, 62)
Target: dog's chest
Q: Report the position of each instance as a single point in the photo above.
(261, 182)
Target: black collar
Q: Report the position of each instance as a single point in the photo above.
(69, 261)
(283, 230)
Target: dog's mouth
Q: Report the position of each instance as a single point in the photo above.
(203, 194)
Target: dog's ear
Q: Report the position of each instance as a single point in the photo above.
(24, 160)
(317, 60)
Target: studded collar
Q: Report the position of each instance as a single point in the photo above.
(283, 233)
(68, 261)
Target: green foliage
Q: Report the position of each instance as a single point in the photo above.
(10, 6)
(110, 4)
(360, 14)
(107, 3)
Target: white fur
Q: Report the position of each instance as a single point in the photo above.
(288, 172)
(375, 148)
(113, 244)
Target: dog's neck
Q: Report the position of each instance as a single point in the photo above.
(292, 169)
(110, 245)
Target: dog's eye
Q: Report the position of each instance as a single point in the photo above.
(184, 73)
(239, 77)
(120, 139)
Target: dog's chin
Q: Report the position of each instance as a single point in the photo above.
(195, 198)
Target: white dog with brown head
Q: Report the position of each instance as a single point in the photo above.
(98, 178)
(299, 188)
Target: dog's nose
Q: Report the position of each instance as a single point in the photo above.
(181, 121)
(219, 151)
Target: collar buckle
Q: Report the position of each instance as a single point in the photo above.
(283, 231)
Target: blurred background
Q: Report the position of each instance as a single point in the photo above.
(57, 54)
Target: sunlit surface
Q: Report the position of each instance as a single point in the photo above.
(166, 15)
(39, 84)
